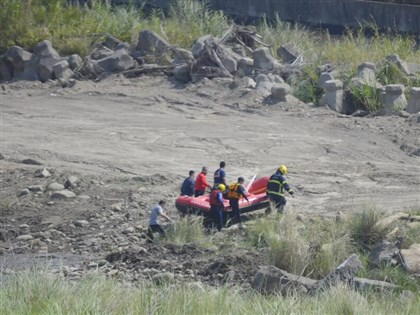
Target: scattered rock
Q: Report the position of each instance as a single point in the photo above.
(36, 188)
(116, 207)
(42, 172)
(24, 192)
(128, 230)
(25, 237)
(31, 162)
(300, 217)
(411, 258)
(63, 194)
(71, 182)
(81, 223)
(55, 186)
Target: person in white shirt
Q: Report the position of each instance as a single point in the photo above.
(154, 226)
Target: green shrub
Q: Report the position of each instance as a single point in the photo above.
(306, 88)
(365, 97)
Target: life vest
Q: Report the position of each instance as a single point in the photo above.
(275, 185)
(213, 197)
(233, 192)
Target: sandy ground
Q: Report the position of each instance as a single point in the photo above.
(147, 126)
(132, 142)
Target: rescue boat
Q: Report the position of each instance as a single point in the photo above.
(256, 193)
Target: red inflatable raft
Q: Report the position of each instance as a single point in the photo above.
(256, 195)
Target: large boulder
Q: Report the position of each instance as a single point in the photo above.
(411, 258)
(118, 61)
(280, 91)
(48, 57)
(385, 253)
(111, 42)
(150, 43)
(288, 53)
(182, 56)
(100, 52)
(270, 279)
(62, 71)
(265, 83)
(6, 69)
(263, 59)
(22, 63)
(199, 45)
(74, 61)
(182, 73)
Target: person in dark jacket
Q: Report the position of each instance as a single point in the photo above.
(276, 186)
(220, 175)
(216, 206)
(236, 191)
(187, 188)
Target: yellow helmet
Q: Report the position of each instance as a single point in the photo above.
(283, 169)
(222, 187)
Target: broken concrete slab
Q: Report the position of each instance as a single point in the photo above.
(344, 273)
(270, 279)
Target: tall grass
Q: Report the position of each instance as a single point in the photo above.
(368, 228)
(188, 230)
(39, 293)
(73, 28)
(312, 250)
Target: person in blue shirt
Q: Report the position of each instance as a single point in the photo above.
(220, 175)
(187, 188)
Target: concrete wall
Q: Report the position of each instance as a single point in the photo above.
(341, 13)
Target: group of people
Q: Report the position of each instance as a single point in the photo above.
(196, 186)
